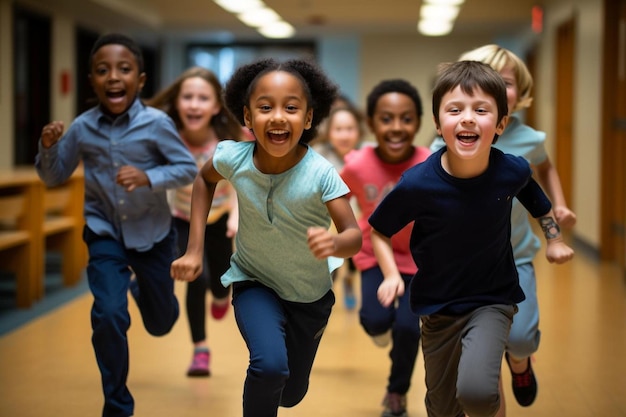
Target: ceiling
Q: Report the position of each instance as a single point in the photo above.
(205, 19)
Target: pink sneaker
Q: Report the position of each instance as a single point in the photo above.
(200, 363)
(219, 309)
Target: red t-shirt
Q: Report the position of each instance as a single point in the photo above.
(370, 179)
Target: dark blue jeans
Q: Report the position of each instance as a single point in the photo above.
(109, 280)
(404, 325)
(282, 338)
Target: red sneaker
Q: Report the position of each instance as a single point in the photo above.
(219, 309)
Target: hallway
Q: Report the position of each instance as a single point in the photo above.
(48, 366)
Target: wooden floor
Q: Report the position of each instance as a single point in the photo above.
(47, 368)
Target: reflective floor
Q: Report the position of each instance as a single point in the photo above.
(48, 366)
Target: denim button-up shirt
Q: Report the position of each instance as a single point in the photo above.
(143, 137)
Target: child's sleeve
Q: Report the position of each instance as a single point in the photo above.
(180, 168)
(392, 213)
(534, 199)
(56, 164)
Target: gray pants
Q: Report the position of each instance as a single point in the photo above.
(462, 357)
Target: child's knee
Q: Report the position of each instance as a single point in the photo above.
(523, 345)
(477, 401)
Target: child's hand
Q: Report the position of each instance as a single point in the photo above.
(321, 242)
(51, 133)
(232, 225)
(130, 177)
(564, 216)
(389, 289)
(558, 252)
(186, 268)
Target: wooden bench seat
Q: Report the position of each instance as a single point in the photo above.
(18, 242)
(35, 219)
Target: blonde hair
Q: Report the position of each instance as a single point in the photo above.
(499, 58)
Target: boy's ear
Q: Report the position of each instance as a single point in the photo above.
(142, 80)
(437, 126)
(502, 125)
(246, 117)
(309, 119)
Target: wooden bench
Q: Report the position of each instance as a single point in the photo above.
(35, 219)
(20, 220)
(63, 227)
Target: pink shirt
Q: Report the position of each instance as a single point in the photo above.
(180, 201)
(370, 179)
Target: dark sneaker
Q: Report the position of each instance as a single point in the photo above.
(524, 384)
(395, 405)
(200, 363)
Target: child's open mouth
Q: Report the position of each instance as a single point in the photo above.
(278, 135)
(467, 138)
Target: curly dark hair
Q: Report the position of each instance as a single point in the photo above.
(320, 91)
(393, 86)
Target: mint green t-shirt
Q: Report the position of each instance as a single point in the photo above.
(275, 212)
(520, 140)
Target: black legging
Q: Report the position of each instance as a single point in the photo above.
(217, 249)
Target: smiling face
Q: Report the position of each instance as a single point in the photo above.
(468, 124)
(196, 104)
(343, 132)
(115, 78)
(394, 123)
(278, 113)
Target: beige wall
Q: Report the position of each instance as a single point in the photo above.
(6, 85)
(415, 59)
(587, 105)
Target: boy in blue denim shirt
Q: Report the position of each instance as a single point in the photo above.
(131, 154)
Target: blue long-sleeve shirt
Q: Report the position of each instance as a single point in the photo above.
(143, 137)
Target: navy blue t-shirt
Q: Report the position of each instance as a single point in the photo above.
(462, 230)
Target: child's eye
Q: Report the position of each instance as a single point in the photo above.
(292, 108)
(265, 107)
(481, 111)
(100, 71)
(126, 70)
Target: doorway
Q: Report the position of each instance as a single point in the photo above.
(613, 184)
(31, 89)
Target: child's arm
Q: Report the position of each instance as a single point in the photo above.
(346, 242)
(51, 133)
(393, 284)
(232, 224)
(189, 266)
(556, 250)
(548, 178)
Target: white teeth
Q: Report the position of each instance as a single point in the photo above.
(278, 132)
